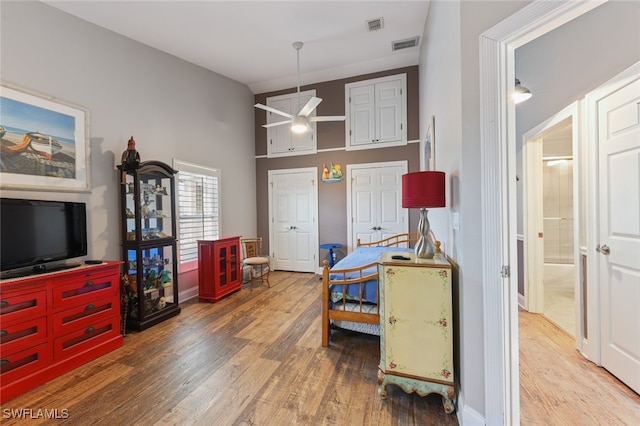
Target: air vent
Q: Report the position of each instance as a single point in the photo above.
(405, 44)
(375, 24)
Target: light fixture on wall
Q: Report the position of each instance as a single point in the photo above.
(423, 190)
(521, 93)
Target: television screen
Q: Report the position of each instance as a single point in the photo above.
(35, 232)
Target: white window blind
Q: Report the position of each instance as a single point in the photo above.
(198, 190)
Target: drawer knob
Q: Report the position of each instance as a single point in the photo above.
(88, 283)
(4, 362)
(3, 333)
(89, 330)
(89, 307)
(4, 303)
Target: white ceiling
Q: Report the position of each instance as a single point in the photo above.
(251, 41)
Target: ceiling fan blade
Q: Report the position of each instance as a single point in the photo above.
(310, 106)
(273, 110)
(328, 118)
(279, 123)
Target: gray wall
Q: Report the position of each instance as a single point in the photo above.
(172, 108)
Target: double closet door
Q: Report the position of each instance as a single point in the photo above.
(374, 200)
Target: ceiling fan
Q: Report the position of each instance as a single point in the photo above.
(300, 122)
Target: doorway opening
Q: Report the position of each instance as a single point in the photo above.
(551, 214)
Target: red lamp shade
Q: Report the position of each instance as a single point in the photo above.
(423, 189)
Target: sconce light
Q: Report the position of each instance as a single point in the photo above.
(520, 93)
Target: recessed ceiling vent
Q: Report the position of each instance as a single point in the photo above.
(375, 24)
(405, 44)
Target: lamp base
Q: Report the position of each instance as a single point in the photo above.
(424, 247)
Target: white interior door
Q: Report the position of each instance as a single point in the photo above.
(374, 201)
(293, 208)
(618, 118)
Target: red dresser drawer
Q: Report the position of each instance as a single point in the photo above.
(23, 306)
(85, 315)
(20, 364)
(84, 289)
(85, 338)
(22, 335)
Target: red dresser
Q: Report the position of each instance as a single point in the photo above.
(55, 322)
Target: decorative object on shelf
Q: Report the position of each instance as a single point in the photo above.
(149, 246)
(44, 143)
(423, 190)
(332, 175)
(130, 159)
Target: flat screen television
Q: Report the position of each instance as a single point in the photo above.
(36, 232)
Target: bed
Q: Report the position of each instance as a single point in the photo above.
(350, 288)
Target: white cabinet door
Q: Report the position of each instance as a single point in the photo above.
(389, 123)
(374, 195)
(362, 115)
(281, 141)
(293, 209)
(279, 137)
(376, 113)
(619, 258)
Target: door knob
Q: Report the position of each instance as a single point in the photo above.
(604, 249)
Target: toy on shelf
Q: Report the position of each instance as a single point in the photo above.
(332, 174)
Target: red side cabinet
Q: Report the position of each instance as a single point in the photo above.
(219, 271)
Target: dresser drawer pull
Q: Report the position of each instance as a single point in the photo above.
(3, 333)
(89, 330)
(88, 283)
(89, 307)
(3, 303)
(4, 362)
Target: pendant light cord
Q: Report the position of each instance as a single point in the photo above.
(298, 45)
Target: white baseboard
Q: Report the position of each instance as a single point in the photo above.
(467, 416)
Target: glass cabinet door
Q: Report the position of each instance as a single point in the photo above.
(155, 207)
(233, 261)
(156, 289)
(223, 253)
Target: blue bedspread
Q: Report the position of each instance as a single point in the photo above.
(360, 256)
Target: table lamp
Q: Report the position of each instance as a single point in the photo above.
(423, 190)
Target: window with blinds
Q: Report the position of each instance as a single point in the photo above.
(198, 190)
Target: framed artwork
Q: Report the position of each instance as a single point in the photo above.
(44, 142)
(428, 161)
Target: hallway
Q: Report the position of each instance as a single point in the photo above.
(558, 386)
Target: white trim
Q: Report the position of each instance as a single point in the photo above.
(497, 131)
(342, 148)
(467, 416)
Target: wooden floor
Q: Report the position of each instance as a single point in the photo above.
(558, 386)
(255, 358)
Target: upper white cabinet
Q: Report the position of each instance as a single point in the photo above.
(376, 112)
(281, 141)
